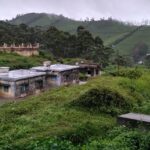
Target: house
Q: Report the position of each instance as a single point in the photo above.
(23, 50)
(90, 69)
(20, 83)
(59, 74)
(134, 120)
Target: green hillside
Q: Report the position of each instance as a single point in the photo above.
(70, 113)
(109, 30)
(141, 36)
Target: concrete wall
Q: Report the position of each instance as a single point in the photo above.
(31, 88)
(21, 51)
(63, 78)
(69, 77)
(49, 81)
(53, 80)
(11, 88)
(14, 90)
(27, 53)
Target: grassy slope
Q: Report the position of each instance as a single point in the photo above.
(126, 47)
(15, 61)
(49, 114)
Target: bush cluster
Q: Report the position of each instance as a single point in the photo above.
(103, 100)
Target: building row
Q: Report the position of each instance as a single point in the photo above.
(20, 83)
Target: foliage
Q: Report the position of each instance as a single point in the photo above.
(61, 44)
(48, 119)
(104, 100)
(83, 133)
(84, 45)
(121, 138)
(147, 61)
(15, 61)
(123, 61)
(45, 144)
(132, 46)
(129, 73)
(19, 34)
(109, 29)
(140, 50)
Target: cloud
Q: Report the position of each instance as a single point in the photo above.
(128, 10)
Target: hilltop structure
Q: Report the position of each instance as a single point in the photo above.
(23, 50)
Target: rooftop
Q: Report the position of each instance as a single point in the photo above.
(91, 65)
(56, 67)
(137, 117)
(19, 74)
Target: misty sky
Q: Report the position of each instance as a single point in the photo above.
(125, 10)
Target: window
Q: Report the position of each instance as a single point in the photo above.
(4, 88)
(89, 72)
(53, 77)
(24, 88)
(39, 84)
(67, 77)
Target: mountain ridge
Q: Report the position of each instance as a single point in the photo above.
(109, 30)
(106, 29)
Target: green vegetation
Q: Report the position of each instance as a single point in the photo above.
(130, 37)
(58, 35)
(18, 34)
(61, 44)
(104, 100)
(79, 116)
(127, 47)
(62, 119)
(109, 30)
(15, 61)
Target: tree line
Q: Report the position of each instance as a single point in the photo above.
(61, 44)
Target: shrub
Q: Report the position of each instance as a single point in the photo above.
(81, 134)
(121, 138)
(128, 73)
(103, 100)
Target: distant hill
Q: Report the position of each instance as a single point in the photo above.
(141, 36)
(108, 30)
(111, 31)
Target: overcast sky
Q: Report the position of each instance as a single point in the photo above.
(125, 10)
